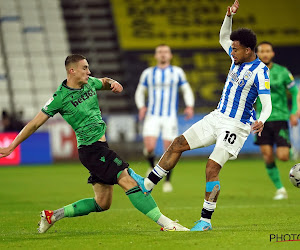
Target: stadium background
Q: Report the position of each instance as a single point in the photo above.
(118, 37)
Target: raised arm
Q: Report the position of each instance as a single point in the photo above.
(28, 130)
(226, 27)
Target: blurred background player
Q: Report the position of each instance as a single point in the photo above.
(276, 131)
(162, 84)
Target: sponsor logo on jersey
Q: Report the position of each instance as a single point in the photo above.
(267, 84)
(291, 77)
(83, 97)
(48, 102)
(234, 76)
(247, 75)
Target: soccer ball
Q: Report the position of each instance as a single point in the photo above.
(295, 175)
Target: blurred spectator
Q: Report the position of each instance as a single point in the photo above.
(12, 123)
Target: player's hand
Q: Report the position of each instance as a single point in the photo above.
(189, 113)
(293, 120)
(233, 9)
(142, 113)
(5, 152)
(257, 127)
(116, 87)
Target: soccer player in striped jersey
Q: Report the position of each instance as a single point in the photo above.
(276, 129)
(162, 83)
(230, 124)
(77, 102)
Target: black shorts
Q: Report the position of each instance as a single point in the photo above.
(102, 162)
(276, 132)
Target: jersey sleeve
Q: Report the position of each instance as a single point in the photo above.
(95, 82)
(289, 79)
(262, 81)
(144, 78)
(182, 77)
(52, 106)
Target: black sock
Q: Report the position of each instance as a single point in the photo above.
(206, 214)
(168, 177)
(151, 160)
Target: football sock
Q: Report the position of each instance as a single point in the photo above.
(150, 157)
(82, 207)
(163, 221)
(154, 177)
(274, 175)
(144, 203)
(151, 160)
(169, 176)
(58, 214)
(207, 210)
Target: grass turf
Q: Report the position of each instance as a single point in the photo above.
(245, 216)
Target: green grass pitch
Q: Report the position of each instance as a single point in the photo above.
(245, 216)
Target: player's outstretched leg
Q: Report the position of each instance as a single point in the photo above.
(78, 208)
(166, 163)
(146, 204)
(214, 164)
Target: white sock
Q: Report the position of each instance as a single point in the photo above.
(209, 206)
(163, 221)
(148, 184)
(205, 219)
(160, 172)
(157, 171)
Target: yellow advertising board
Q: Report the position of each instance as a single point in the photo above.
(190, 24)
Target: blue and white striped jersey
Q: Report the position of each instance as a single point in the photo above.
(243, 84)
(162, 86)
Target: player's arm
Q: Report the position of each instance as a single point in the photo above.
(266, 111)
(293, 89)
(298, 104)
(189, 100)
(140, 94)
(262, 82)
(28, 130)
(139, 98)
(226, 27)
(111, 84)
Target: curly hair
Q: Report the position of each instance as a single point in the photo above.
(246, 37)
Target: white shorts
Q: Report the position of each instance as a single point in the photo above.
(216, 128)
(167, 126)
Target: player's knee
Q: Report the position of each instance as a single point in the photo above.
(283, 157)
(179, 144)
(104, 205)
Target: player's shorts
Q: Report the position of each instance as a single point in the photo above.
(275, 132)
(167, 126)
(102, 162)
(216, 128)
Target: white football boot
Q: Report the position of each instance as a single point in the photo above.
(167, 187)
(46, 222)
(174, 226)
(280, 194)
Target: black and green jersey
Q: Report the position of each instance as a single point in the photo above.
(280, 80)
(80, 108)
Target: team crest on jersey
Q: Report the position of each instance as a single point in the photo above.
(241, 83)
(48, 102)
(247, 75)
